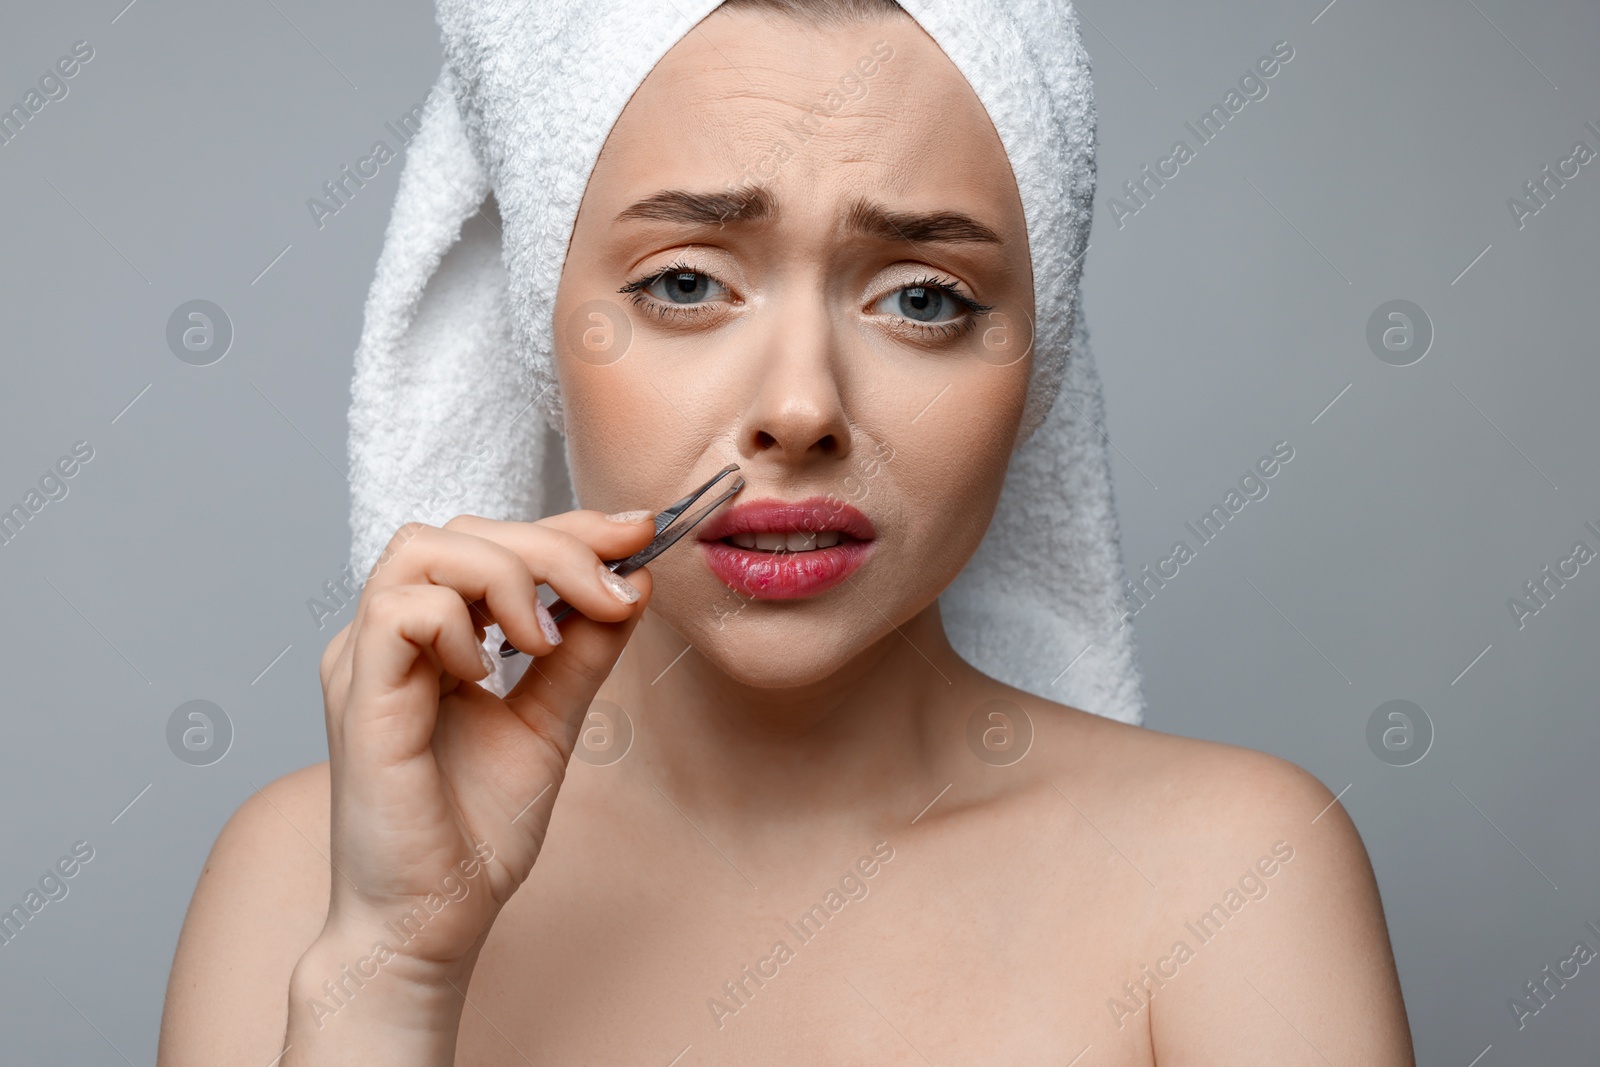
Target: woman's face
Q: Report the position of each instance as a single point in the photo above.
(802, 250)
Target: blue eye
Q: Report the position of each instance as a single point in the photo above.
(680, 285)
(933, 306)
(929, 306)
(922, 304)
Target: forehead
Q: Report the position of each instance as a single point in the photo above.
(812, 110)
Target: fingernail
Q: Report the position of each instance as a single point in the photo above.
(488, 660)
(618, 586)
(546, 623)
(631, 516)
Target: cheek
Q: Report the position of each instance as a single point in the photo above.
(634, 429)
(619, 455)
(954, 464)
(592, 341)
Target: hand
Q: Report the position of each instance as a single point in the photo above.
(436, 783)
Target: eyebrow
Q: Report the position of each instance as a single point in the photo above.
(872, 219)
(749, 203)
(754, 204)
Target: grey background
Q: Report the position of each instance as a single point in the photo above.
(1228, 314)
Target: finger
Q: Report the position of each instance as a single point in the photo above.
(410, 636)
(607, 537)
(499, 583)
(494, 582)
(570, 563)
(604, 532)
(554, 694)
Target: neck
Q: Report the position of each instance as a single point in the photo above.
(858, 744)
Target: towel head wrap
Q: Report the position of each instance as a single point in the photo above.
(456, 349)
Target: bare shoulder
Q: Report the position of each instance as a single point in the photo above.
(1267, 939)
(1195, 800)
(260, 900)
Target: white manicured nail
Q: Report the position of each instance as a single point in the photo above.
(618, 586)
(546, 623)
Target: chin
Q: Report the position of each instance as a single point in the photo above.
(782, 650)
(767, 643)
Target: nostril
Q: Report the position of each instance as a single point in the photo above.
(828, 444)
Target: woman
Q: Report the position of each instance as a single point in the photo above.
(799, 859)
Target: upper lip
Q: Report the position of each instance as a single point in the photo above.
(813, 514)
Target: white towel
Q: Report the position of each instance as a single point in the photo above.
(455, 405)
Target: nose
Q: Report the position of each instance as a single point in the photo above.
(796, 413)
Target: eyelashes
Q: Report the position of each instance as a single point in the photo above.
(974, 310)
(666, 312)
(671, 312)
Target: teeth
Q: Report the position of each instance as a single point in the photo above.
(792, 541)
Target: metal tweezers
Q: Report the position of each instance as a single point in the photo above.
(664, 539)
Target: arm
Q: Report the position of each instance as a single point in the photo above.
(257, 906)
(251, 959)
(1287, 967)
(341, 912)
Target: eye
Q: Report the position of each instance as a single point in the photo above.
(676, 291)
(933, 306)
(682, 286)
(923, 303)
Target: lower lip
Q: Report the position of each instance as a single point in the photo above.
(784, 575)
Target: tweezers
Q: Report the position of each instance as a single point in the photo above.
(666, 536)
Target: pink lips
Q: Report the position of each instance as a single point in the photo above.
(783, 574)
